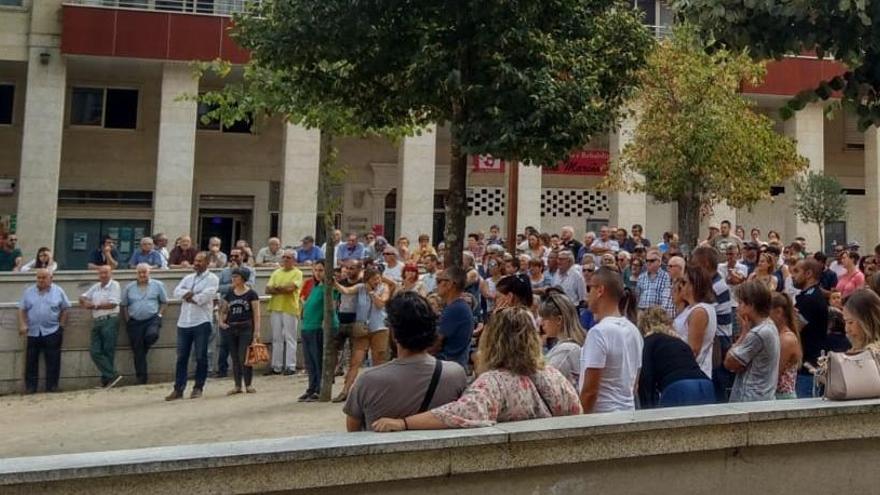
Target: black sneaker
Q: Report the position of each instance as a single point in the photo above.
(303, 397)
(289, 372)
(270, 372)
(311, 398)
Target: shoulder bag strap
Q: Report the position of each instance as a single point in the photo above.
(543, 399)
(432, 387)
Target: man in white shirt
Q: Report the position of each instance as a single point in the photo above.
(569, 278)
(734, 273)
(197, 292)
(604, 244)
(103, 299)
(612, 354)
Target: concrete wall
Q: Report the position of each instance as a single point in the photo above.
(783, 447)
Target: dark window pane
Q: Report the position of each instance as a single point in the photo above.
(240, 126)
(647, 6)
(86, 106)
(15, 3)
(122, 109)
(7, 101)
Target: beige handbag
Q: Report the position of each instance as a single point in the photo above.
(848, 377)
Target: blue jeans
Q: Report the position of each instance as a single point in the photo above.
(721, 378)
(313, 348)
(691, 392)
(187, 338)
(804, 386)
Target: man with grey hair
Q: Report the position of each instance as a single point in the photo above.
(675, 267)
(103, 299)
(143, 302)
(566, 237)
(271, 254)
(147, 254)
(284, 309)
(569, 278)
(216, 257)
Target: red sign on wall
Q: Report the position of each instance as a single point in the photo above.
(586, 162)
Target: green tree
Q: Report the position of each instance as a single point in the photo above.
(819, 200)
(697, 141)
(845, 29)
(521, 81)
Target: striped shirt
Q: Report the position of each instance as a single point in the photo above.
(723, 308)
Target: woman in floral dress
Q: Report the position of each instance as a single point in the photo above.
(513, 382)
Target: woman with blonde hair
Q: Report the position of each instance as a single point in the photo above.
(790, 352)
(765, 271)
(861, 314)
(670, 375)
(513, 382)
(560, 321)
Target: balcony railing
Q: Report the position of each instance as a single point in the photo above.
(206, 7)
(660, 32)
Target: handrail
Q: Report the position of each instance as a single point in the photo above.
(203, 7)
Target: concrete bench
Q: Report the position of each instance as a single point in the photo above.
(797, 446)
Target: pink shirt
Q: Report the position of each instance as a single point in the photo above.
(847, 284)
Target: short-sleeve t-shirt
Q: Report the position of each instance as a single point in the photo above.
(286, 303)
(759, 353)
(397, 389)
(7, 259)
(456, 326)
(613, 345)
(240, 309)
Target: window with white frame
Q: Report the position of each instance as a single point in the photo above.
(110, 108)
(7, 103)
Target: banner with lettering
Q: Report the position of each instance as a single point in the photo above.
(585, 162)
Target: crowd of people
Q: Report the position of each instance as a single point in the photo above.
(551, 326)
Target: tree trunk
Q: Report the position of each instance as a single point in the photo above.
(456, 207)
(821, 237)
(328, 357)
(688, 221)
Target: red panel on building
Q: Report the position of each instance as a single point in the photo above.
(130, 40)
(229, 50)
(789, 76)
(192, 37)
(96, 30)
(585, 162)
(153, 35)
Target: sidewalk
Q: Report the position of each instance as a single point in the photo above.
(138, 416)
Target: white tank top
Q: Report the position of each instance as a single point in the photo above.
(704, 358)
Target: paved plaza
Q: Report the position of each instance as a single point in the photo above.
(137, 416)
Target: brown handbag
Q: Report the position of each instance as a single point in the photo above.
(851, 376)
(257, 355)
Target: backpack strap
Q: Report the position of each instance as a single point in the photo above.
(432, 387)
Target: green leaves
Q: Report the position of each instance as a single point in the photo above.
(697, 140)
(819, 199)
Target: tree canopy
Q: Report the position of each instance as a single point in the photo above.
(521, 81)
(844, 29)
(697, 141)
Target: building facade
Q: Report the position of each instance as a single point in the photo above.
(97, 137)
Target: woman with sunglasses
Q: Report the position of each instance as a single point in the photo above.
(559, 320)
(411, 279)
(696, 324)
(513, 383)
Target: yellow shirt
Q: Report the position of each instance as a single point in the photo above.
(286, 303)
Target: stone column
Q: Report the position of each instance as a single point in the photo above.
(173, 199)
(872, 189)
(299, 188)
(626, 208)
(41, 150)
(528, 211)
(807, 128)
(415, 192)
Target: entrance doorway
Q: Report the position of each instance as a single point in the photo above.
(228, 225)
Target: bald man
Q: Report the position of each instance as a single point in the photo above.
(42, 314)
(103, 299)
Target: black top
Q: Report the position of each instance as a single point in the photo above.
(813, 307)
(240, 309)
(665, 360)
(575, 247)
(828, 281)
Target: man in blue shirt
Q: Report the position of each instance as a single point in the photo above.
(143, 302)
(308, 253)
(42, 314)
(351, 250)
(147, 255)
(105, 254)
(456, 321)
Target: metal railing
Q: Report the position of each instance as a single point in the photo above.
(660, 32)
(206, 7)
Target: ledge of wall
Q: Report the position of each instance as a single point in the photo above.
(812, 444)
